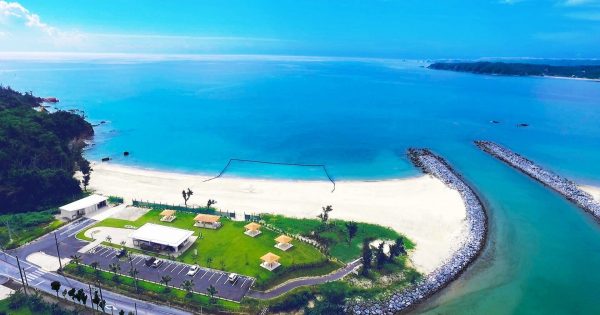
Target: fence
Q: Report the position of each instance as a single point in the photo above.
(161, 206)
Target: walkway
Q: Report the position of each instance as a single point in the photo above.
(300, 282)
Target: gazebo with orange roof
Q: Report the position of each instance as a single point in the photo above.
(283, 242)
(208, 221)
(270, 261)
(167, 215)
(252, 229)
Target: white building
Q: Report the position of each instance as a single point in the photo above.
(81, 207)
(160, 238)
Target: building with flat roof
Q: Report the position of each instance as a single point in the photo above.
(159, 238)
(84, 206)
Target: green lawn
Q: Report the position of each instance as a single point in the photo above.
(229, 249)
(26, 227)
(335, 234)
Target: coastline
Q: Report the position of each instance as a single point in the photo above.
(423, 208)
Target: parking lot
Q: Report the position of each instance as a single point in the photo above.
(205, 277)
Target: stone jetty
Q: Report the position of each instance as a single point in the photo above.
(466, 253)
(560, 184)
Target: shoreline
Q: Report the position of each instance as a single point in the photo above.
(470, 248)
(422, 208)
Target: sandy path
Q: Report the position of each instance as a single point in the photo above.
(422, 208)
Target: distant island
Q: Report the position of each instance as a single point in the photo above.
(521, 69)
(39, 153)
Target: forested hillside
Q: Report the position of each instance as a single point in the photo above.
(521, 69)
(39, 153)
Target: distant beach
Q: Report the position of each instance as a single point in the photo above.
(422, 208)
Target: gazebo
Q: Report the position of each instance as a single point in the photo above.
(208, 221)
(270, 261)
(252, 229)
(283, 242)
(167, 215)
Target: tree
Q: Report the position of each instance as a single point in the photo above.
(86, 170)
(102, 304)
(109, 239)
(114, 268)
(76, 259)
(165, 280)
(381, 256)
(186, 195)
(210, 202)
(397, 248)
(325, 215)
(96, 299)
(94, 266)
(121, 312)
(64, 293)
(55, 285)
(133, 273)
(123, 243)
(188, 285)
(352, 229)
(71, 293)
(79, 295)
(212, 291)
(367, 256)
(208, 261)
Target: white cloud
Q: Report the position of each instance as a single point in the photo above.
(19, 12)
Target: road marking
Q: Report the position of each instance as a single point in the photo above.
(35, 285)
(167, 266)
(100, 251)
(219, 278)
(205, 272)
(182, 269)
(176, 265)
(243, 283)
(211, 276)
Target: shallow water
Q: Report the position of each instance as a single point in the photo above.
(358, 119)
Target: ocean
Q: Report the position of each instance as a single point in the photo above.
(358, 118)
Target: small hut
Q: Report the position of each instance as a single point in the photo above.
(167, 215)
(252, 229)
(283, 242)
(208, 221)
(270, 261)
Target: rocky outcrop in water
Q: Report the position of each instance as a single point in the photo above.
(560, 184)
(462, 257)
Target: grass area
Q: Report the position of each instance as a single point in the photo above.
(22, 310)
(229, 249)
(26, 227)
(151, 291)
(335, 235)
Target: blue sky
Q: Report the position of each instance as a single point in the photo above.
(375, 28)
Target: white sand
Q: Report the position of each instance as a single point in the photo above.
(422, 208)
(592, 190)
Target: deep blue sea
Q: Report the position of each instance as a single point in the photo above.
(358, 118)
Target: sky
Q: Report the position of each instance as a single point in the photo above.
(412, 29)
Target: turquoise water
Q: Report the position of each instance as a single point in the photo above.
(358, 119)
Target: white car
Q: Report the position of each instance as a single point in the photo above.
(233, 277)
(193, 270)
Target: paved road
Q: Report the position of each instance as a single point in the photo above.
(41, 280)
(290, 285)
(205, 277)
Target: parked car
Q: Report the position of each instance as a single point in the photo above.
(157, 263)
(233, 277)
(193, 270)
(150, 261)
(122, 253)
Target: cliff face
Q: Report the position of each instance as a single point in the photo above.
(37, 155)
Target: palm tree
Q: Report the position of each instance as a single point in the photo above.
(212, 291)
(123, 243)
(64, 293)
(325, 215)
(109, 239)
(76, 259)
(188, 285)
(114, 268)
(133, 273)
(165, 280)
(55, 285)
(352, 228)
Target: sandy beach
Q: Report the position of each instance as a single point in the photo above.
(422, 208)
(592, 190)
